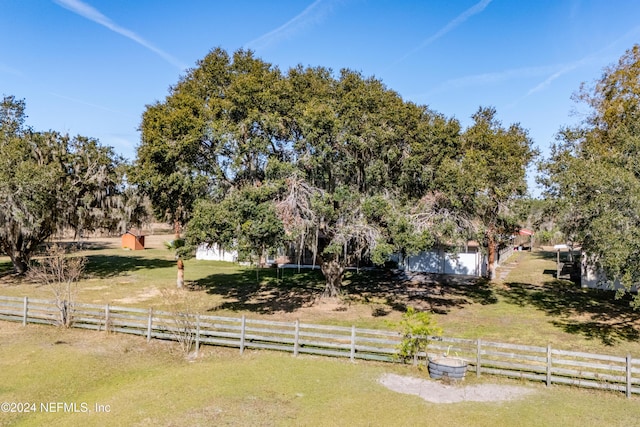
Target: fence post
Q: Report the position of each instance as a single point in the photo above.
(242, 332)
(628, 375)
(106, 319)
(149, 324)
(197, 334)
(24, 311)
(549, 365)
(353, 343)
(296, 339)
(478, 357)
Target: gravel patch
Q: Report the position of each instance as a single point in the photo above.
(436, 392)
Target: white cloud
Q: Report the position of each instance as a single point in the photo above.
(86, 11)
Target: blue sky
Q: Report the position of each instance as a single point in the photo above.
(89, 67)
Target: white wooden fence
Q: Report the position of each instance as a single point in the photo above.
(544, 364)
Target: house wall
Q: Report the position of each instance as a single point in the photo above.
(214, 253)
(596, 279)
(437, 261)
(441, 262)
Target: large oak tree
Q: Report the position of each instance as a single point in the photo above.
(485, 183)
(49, 181)
(593, 174)
(248, 157)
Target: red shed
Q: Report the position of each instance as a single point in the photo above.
(133, 240)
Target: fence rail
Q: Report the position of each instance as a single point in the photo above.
(544, 364)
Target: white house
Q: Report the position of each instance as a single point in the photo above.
(212, 252)
(590, 277)
(438, 261)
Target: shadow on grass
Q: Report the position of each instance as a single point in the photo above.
(437, 293)
(547, 255)
(552, 256)
(274, 290)
(6, 268)
(114, 265)
(84, 245)
(287, 290)
(593, 313)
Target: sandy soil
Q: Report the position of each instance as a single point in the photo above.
(436, 392)
(146, 295)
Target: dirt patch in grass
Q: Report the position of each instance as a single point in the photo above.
(147, 294)
(437, 392)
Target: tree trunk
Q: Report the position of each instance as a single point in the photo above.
(491, 256)
(332, 271)
(177, 229)
(180, 280)
(19, 261)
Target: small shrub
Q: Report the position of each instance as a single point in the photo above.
(417, 327)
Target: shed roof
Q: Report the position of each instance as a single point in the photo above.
(135, 231)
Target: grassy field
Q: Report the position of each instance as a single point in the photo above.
(152, 384)
(529, 306)
(140, 384)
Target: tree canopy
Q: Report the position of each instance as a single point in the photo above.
(249, 157)
(593, 173)
(490, 177)
(49, 181)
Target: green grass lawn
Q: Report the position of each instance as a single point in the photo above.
(529, 306)
(149, 384)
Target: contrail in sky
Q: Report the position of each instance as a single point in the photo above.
(490, 78)
(473, 10)
(9, 70)
(311, 15)
(564, 70)
(583, 61)
(89, 12)
(88, 104)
